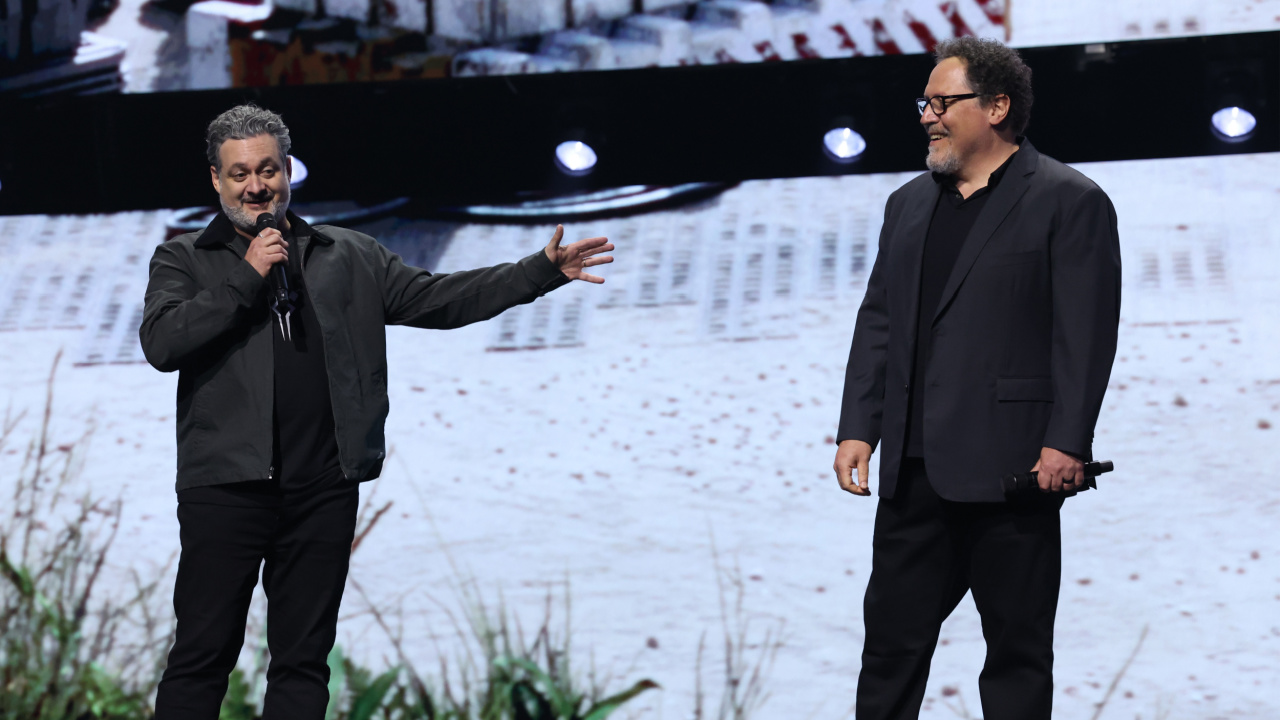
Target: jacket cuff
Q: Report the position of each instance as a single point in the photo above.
(1074, 446)
(544, 274)
(842, 438)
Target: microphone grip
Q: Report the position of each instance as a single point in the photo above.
(282, 281)
(1018, 483)
(279, 271)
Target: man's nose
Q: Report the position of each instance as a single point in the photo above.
(254, 186)
(929, 117)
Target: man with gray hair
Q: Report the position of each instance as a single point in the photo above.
(982, 348)
(281, 414)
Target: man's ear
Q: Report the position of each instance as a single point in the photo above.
(217, 182)
(998, 110)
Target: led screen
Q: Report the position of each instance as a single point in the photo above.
(658, 449)
(69, 47)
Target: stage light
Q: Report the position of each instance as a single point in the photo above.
(575, 157)
(299, 175)
(1234, 124)
(843, 144)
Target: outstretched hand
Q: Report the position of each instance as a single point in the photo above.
(573, 259)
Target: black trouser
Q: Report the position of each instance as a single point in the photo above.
(927, 552)
(306, 545)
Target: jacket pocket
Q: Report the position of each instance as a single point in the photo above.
(1026, 389)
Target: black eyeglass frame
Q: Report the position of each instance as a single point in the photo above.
(929, 101)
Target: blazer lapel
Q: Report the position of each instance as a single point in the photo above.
(912, 235)
(1012, 187)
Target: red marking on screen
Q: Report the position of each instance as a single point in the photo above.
(921, 31)
(767, 52)
(959, 28)
(994, 10)
(846, 42)
(803, 48)
(723, 56)
(883, 39)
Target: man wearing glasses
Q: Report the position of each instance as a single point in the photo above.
(983, 347)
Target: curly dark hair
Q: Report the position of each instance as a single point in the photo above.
(993, 68)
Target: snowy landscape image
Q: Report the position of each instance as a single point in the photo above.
(658, 449)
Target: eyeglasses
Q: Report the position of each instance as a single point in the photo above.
(939, 103)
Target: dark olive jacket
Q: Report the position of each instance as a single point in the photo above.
(206, 316)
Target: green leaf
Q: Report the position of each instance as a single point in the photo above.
(605, 707)
(337, 681)
(235, 704)
(370, 701)
(529, 704)
(545, 687)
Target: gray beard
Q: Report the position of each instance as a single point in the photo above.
(245, 222)
(943, 163)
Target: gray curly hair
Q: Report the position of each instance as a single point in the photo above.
(992, 68)
(241, 123)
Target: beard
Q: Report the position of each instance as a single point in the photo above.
(246, 221)
(943, 162)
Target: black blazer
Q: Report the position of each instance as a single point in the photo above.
(1023, 338)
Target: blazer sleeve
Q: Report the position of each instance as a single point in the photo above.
(179, 318)
(412, 296)
(862, 407)
(1085, 267)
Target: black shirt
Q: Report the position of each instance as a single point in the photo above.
(305, 444)
(305, 447)
(953, 218)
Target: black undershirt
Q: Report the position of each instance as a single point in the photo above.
(953, 218)
(304, 443)
(305, 447)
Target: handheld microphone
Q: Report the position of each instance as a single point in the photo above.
(1020, 483)
(281, 303)
(267, 220)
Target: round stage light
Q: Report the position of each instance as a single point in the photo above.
(1234, 124)
(843, 144)
(299, 175)
(575, 157)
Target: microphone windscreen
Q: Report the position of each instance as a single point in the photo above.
(265, 220)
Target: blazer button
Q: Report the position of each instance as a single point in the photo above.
(906, 388)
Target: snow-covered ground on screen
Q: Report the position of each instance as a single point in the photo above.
(606, 434)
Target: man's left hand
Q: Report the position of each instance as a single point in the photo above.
(1057, 471)
(574, 259)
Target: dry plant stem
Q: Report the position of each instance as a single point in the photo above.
(962, 711)
(744, 691)
(1115, 681)
(396, 638)
(61, 644)
(697, 678)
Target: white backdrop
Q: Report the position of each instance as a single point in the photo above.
(608, 433)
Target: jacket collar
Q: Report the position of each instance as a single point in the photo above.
(949, 181)
(1013, 185)
(220, 231)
